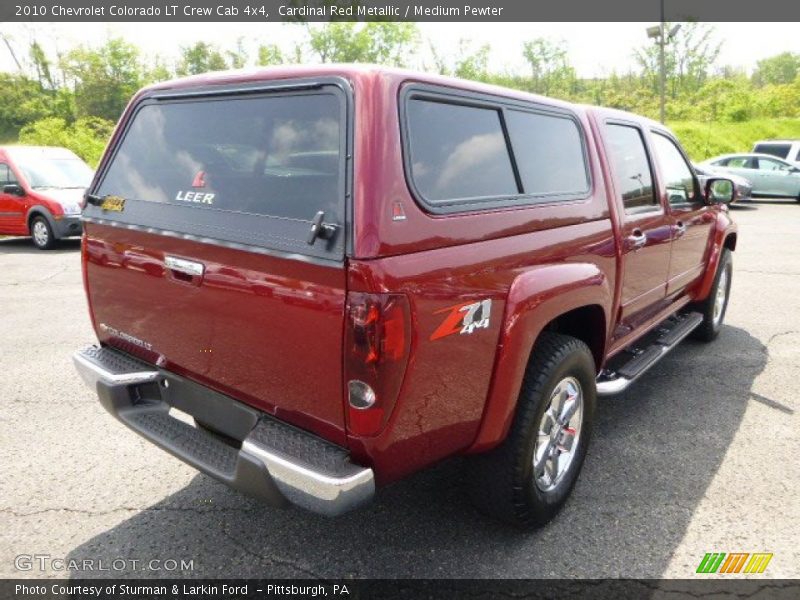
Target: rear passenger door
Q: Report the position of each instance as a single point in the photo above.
(646, 227)
(691, 219)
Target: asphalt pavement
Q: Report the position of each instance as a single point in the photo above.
(699, 456)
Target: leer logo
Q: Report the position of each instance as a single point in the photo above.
(735, 562)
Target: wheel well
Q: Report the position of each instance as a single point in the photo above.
(33, 214)
(588, 324)
(730, 242)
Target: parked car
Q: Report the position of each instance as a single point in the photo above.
(768, 175)
(41, 189)
(788, 150)
(458, 269)
(742, 188)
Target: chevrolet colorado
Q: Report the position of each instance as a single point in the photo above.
(345, 274)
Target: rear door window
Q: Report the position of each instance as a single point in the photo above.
(549, 153)
(251, 169)
(458, 152)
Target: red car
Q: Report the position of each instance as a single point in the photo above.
(354, 273)
(41, 189)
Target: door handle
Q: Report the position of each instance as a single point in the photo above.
(187, 267)
(680, 229)
(637, 239)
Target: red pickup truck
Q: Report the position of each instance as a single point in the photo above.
(346, 274)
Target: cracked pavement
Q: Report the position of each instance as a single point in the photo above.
(699, 456)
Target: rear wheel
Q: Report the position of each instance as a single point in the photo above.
(527, 480)
(42, 234)
(714, 307)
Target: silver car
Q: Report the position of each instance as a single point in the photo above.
(769, 175)
(742, 188)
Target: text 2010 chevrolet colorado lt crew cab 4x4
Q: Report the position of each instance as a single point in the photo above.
(346, 274)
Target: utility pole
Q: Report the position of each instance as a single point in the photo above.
(662, 66)
(662, 38)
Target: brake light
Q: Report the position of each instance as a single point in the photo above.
(377, 348)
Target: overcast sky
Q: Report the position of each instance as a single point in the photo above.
(595, 49)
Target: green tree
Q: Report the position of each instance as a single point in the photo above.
(689, 57)
(201, 57)
(42, 66)
(551, 72)
(780, 69)
(21, 101)
(269, 54)
(104, 79)
(469, 62)
(385, 43)
(86, 137)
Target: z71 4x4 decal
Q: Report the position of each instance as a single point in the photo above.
(463, 318)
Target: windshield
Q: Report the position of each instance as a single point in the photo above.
(55, 172)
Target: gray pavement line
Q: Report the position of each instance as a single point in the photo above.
(755, 396)
(772, 403)
(136, 509)
(781, 334)
(759, 272)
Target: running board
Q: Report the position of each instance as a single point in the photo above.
(670, 333)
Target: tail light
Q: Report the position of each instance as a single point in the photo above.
(377, 347)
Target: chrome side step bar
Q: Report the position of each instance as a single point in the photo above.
(617, 381)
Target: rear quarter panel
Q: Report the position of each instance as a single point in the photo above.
(442, 261)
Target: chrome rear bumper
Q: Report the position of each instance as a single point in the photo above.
(254, 453)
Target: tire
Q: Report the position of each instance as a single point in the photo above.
(42, 234)
(505, 484)
(709, 328)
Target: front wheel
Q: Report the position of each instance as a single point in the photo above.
(42, 234)
(714, 307)
(528, 479)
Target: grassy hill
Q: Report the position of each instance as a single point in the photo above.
(704, 140)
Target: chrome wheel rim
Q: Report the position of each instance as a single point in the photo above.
(40, 233)
(721, 297)
(558, 435)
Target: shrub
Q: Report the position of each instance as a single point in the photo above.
(86, 137)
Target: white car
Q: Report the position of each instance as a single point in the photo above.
(788, 150)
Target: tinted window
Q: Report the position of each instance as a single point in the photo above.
(678, 177)
(247, 169)
(549, 153)
(458, 152)
(631, 166)
(779, 150)
(6, 176)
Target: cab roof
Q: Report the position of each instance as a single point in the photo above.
(18, 151)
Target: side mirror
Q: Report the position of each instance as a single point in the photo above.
(719, 190)
(14, 189)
